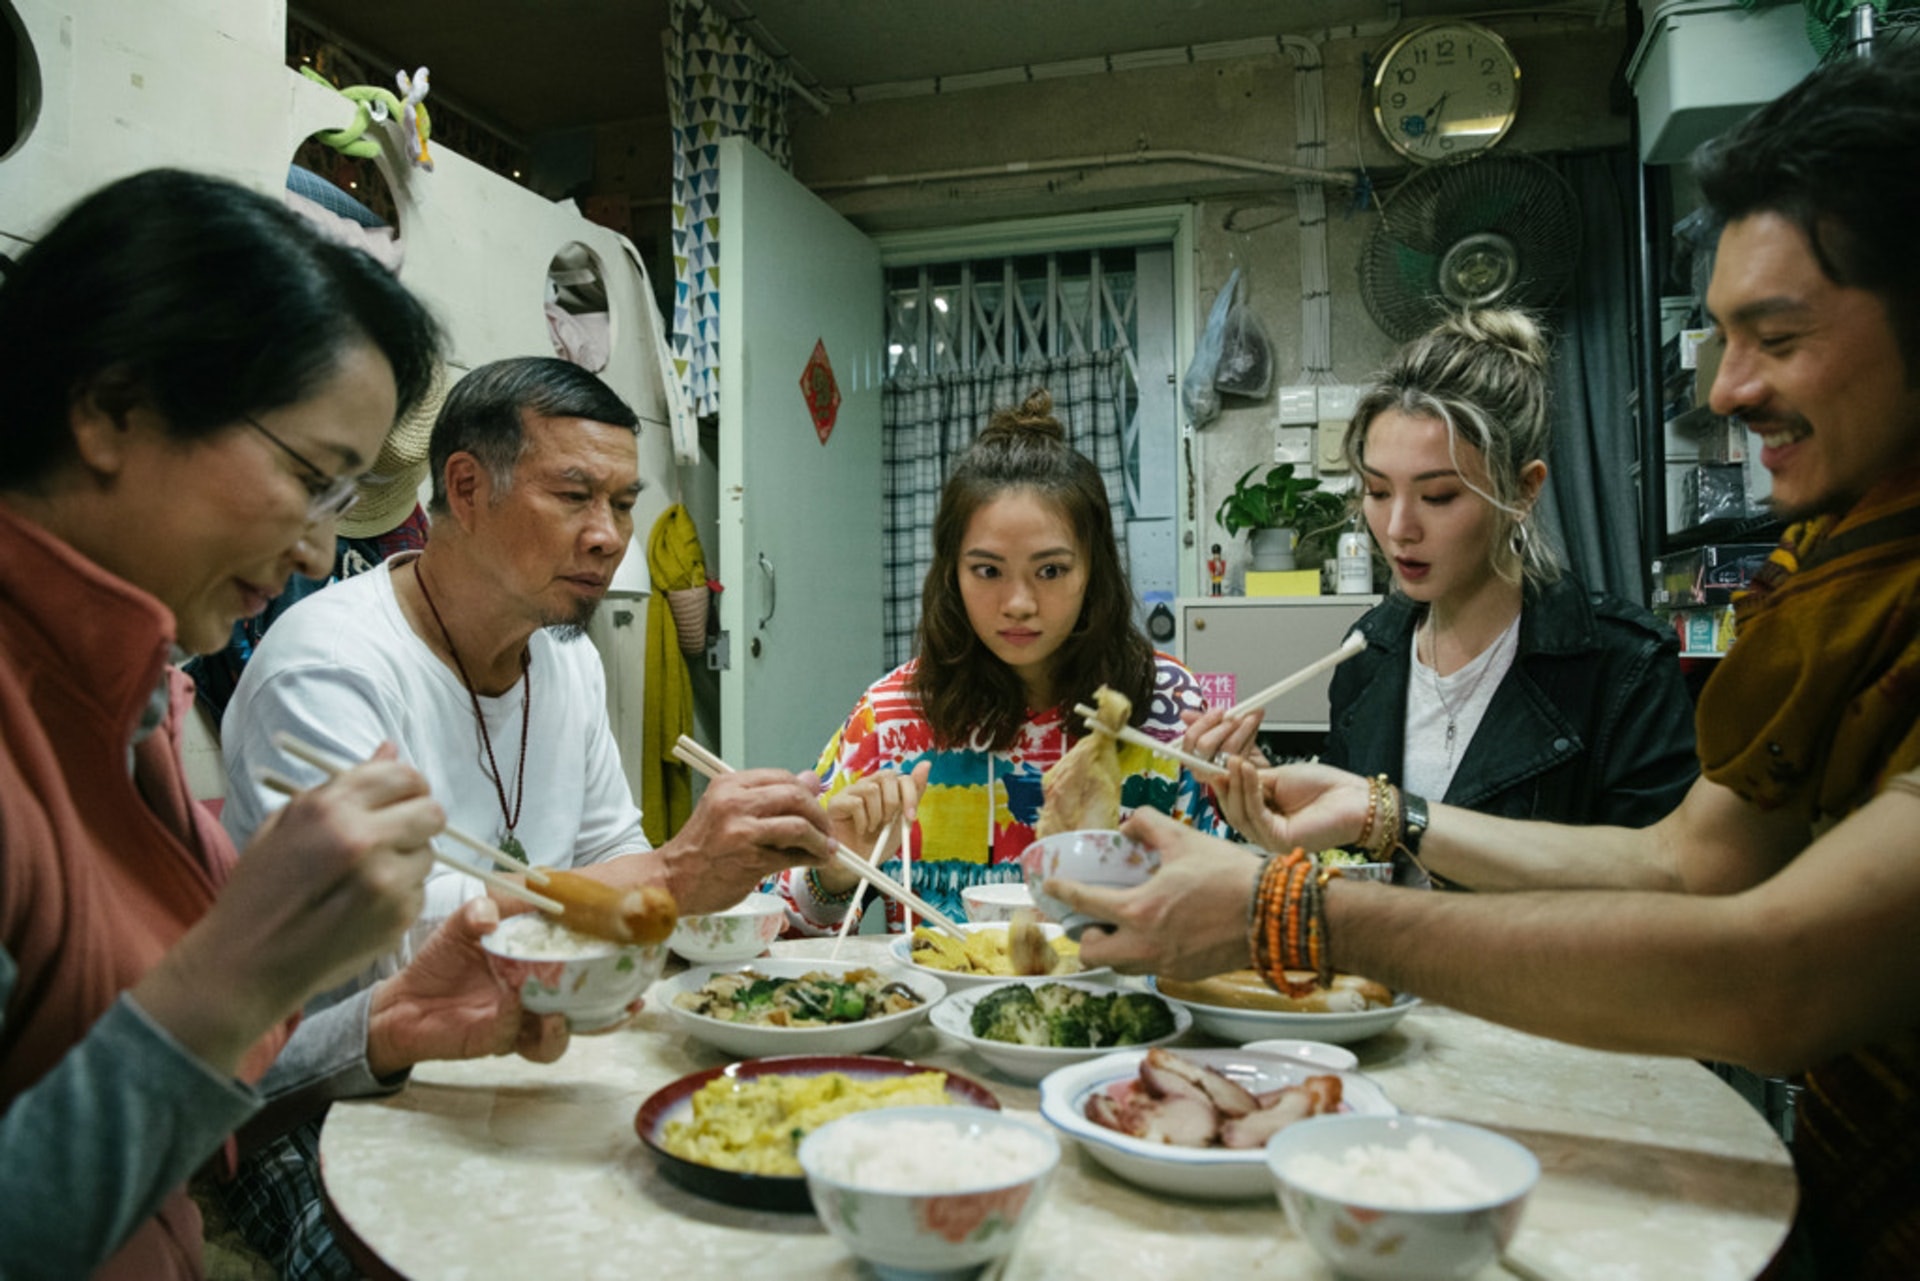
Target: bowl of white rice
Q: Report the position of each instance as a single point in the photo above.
(556, 970)
(1389, 1198)
(919, 1192)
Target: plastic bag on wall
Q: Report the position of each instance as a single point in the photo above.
(1246, 355)
(1198, 395)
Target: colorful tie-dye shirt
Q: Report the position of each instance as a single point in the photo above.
(980, 809)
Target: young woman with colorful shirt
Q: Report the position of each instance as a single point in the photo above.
(1026, 611)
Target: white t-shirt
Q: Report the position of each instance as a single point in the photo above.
(343, 670)
(1428, 767)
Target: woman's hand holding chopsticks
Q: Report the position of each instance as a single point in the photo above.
(860, 812)
(1214, 736)
(1314, 807)
(328, 884)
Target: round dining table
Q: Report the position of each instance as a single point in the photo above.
(1650, 1168)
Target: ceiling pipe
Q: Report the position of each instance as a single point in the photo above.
(1110, 160)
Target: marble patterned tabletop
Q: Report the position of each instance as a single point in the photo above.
(1651, 1168)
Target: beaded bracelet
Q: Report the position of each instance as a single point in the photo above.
(1373, 811)
(1285, 922)
(1389, 800)
(826, 897)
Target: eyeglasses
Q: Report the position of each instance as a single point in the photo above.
(328, 497)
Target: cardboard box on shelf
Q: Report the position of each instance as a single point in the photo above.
(1712, 491)
(1283, 582)
(1708, 575)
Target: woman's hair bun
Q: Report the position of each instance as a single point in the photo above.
(1033, 416)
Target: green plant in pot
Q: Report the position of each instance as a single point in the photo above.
(1290, 518)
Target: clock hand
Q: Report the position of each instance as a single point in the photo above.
(1427, 132)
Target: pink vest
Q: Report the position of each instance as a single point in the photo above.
(104, 869)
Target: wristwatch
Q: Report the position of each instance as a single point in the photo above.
(1413, 823)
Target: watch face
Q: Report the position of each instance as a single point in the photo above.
(1444, 90)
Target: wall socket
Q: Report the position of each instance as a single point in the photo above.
(1329, 456)
(1334, 407)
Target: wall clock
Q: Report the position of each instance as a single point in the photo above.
(1446, 89)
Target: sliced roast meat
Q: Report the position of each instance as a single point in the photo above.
(1229, 1096)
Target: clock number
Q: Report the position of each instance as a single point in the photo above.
(1486, 66)
(1405, 75)
(1397, 101)
(1443, 49)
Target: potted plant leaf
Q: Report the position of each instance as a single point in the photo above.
(1287, 514)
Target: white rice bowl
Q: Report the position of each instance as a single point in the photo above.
(928, 1190)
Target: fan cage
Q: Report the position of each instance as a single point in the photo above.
(1491, 201)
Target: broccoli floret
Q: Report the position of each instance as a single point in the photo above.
(1012, 1015)
(1070, 1012)
(1058, 998)
(1135, 1017)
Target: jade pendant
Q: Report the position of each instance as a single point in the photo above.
(510, 844)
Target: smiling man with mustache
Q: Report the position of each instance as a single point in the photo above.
(1769, 920)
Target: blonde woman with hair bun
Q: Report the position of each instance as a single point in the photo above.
(1492, 678)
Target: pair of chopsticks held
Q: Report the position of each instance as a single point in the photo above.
(332, 768)
(1353, 644)
(699, 758)
(631, 915)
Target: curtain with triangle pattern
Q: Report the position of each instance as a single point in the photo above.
(719, 83)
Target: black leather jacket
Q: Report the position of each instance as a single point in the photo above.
(1592, 724)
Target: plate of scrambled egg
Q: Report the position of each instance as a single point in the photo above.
(985, 957)
(730, 1133)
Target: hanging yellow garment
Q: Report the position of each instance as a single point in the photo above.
(666, 787)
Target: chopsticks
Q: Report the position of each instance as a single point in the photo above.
(1128, 734)
(303, 751)
(713, 767)
(1352, 645)
(881, 848)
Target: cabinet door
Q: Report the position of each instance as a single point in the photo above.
(1262, 640)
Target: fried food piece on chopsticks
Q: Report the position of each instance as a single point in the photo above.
(645, 915)
(1028, 947)
(1082, 789)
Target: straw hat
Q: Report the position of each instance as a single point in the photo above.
(391, 488)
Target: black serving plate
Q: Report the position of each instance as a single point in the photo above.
(674, 1102)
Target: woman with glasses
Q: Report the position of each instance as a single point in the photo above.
(194, 380)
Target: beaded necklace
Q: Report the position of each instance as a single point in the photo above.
(509, 814)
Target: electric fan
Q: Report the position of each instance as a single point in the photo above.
(1498, 230)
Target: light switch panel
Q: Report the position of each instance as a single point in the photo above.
(1293, 445)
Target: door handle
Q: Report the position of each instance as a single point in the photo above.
(766, 567)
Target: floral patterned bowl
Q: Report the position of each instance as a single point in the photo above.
(740, 933)
(1409, 1197)
(1092, 857)
(556, 971)
(926, 1192)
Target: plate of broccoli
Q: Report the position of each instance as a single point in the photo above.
(1027, 1028)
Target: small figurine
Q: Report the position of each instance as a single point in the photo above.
(1216, 571)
